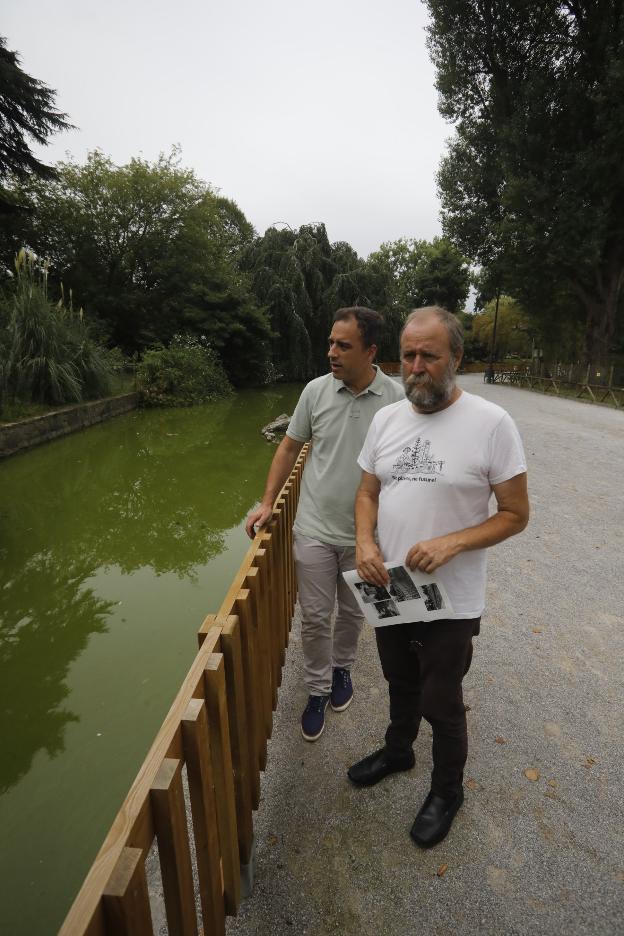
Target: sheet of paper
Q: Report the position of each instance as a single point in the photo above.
(409, 596)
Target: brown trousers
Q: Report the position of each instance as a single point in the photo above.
(424, 664)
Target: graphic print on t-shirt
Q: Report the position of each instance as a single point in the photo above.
(417, 460)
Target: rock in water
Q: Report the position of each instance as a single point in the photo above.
(276, 427)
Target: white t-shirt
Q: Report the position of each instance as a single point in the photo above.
(435, 471)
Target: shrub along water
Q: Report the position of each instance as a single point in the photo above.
(188, 371)
(46, 353)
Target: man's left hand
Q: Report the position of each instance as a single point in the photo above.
(429, 555)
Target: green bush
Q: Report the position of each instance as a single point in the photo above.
(47, 355)
(188, 371)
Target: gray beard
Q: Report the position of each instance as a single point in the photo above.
(428, 396)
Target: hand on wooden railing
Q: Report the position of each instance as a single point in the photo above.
(284, 460)
(257, 519)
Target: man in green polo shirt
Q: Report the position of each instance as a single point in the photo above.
(334, 413)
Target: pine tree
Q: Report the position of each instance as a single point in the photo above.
(27, 115)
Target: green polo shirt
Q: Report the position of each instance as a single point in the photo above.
(336, 421)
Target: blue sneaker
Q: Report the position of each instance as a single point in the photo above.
(313, 719)
(341, 690)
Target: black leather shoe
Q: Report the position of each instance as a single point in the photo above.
(376, 766)
(435, 819)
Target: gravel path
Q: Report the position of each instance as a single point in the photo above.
(545, 692)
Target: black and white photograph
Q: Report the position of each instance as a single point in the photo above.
(371, 593)
(386, 609)
(409, 596)
(433, 597)
(402, 587)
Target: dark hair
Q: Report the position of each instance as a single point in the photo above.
(369, 322)
(451, 322)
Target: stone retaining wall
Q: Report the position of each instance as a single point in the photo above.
(17, 436)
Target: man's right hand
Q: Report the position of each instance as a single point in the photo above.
(370, 564)
(260, 516)
(281, 466)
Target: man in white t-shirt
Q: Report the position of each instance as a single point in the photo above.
(334, 412)
(430, 465)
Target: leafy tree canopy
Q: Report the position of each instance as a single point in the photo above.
(423, 273)
(513, 328)
(151, 251)
(532, 187)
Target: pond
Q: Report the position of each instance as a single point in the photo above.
(114, 545)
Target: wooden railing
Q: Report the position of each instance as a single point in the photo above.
(560, 382)
(217, 728)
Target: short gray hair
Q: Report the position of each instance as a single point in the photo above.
(451, 322)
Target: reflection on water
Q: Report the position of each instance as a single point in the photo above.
(113, 545)
(46, 617)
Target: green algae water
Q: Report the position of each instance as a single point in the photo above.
(114, 545)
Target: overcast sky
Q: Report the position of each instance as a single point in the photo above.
(323, 111)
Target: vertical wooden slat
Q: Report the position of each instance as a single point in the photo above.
(253, 581)
(256, 739)
(264, 625)
(290, 499)
(235, 692)
(292, 576)
(278, 592)
(273, 628)
(214, 679)
(283, 577)
(204, 808)
(126, 899)
(280, 568)
(270, 594)
(294, 500)
(287, 567)
(169, 812)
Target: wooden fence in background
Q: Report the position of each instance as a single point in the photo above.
(582, 382)
(391, 368)
(217, 728)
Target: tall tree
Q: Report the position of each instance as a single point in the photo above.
(423, 273)
(27, 114)
(533, 183)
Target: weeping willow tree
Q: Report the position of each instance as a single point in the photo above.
(301, 279)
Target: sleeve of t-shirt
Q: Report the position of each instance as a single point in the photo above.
(507, 457)
(300, 425)
(366, 458)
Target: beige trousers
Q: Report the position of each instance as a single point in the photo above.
(320, 584)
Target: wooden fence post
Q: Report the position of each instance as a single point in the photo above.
(256, 738)
(235, 693)
(169, 813)
(253, 583)
(214, 680)
(204, 810)
(126, 899)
